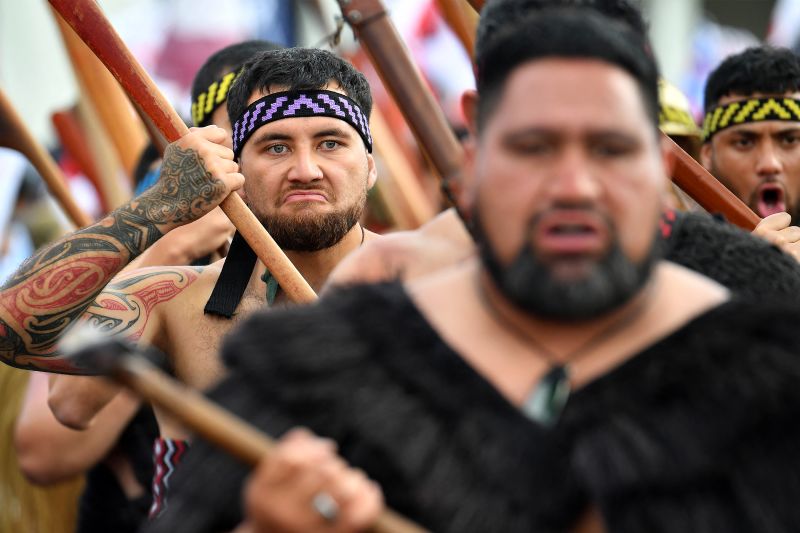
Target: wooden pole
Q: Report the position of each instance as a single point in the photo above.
(217, 425)
(406, 200)
(88, 21)
(73, 140)
(402, 79)
(477, 5)
(115, 185)
(119, 121)
(14, 134)
(707, 191)
(457, 19)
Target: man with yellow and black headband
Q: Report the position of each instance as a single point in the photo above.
(751, 136)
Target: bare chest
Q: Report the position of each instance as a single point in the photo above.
(195, 339)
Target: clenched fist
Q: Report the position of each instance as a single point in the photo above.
(778, 230)
(198, 172)
(303, 480)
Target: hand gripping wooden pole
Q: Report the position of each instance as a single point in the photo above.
(94, 29)
(14, 135)
(385, 48)
(205, 418)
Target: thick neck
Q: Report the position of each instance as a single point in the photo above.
(315, 267)
(558, 336)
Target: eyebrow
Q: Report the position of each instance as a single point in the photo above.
(551, 133)
(750, 134)
(278, 136)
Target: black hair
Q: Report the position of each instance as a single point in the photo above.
(567, 33)
(294, 69)
(497, 14)
(227, 60)
(760, 69)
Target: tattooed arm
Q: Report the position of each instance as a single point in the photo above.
(56, 285)
(129, 307)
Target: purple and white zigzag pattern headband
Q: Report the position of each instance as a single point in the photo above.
(293, 104)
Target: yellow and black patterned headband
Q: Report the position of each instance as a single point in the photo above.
(209, 101)
(676, 121)
(753, 110)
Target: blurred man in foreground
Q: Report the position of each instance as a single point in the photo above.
(565, 378)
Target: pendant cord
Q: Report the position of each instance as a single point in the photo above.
(592, 342)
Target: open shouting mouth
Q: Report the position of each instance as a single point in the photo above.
(770, 198)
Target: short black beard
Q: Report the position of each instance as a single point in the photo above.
(311, 232)
(529, 283)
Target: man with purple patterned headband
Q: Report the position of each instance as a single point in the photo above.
(301, 121)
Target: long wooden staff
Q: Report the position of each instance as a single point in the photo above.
(477, 5)
(14, 135)
(119, 122)
(456, 18)
(91, 25)
(707, 191)
(406, 199)
(115, 185)
(204, 417)
(73, 140)
(385, 48)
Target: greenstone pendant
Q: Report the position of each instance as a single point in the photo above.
(547, 400)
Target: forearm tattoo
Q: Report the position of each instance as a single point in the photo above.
(185, 189)
(54, 287)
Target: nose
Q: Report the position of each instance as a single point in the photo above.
(769, 161)
(573, 180)
(304, 167)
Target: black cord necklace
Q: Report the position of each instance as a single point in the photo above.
(548, 396)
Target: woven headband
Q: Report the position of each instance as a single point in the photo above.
(293, 104)
(209, 101)
(675, 115)
(753, 110)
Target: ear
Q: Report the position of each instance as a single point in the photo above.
(242, 191)
(469, 107)
(372, 171)
(463, 193)
(706, 155)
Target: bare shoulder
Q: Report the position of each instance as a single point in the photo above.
(159, 282)
(682, 296)
(130, 304)
(407, 255)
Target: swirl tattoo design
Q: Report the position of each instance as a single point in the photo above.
(54, 287)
